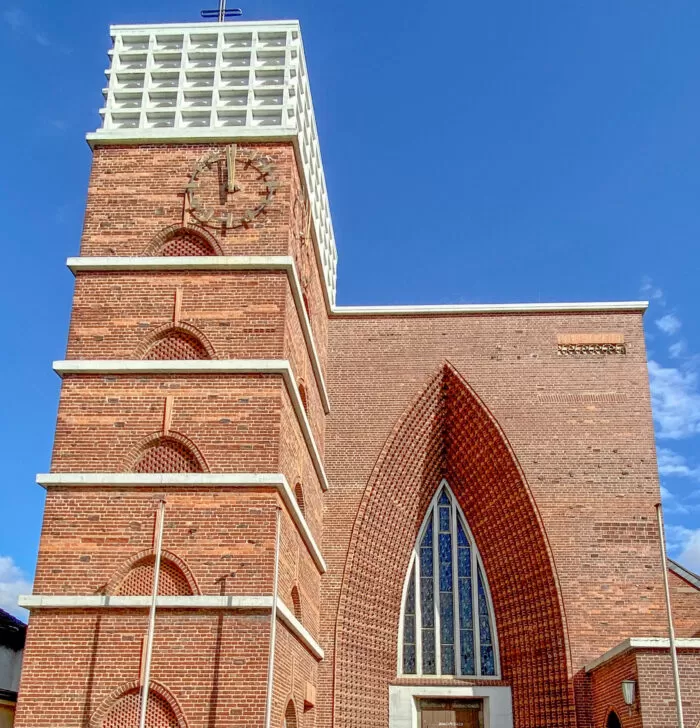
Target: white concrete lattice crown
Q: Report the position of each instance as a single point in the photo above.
(219, 81)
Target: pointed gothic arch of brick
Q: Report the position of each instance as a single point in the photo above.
(176, 341)
(135, 576)
(449, 433)
(166, 453)
(290, 715)
(179, 240)
(121, 708)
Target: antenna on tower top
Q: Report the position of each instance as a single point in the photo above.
(222, 13)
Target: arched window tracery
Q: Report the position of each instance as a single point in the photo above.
(447, 624)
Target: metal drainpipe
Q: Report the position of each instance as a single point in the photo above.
(273, 626)
(671, 633)
(152, 615)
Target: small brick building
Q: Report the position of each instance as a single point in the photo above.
(375, 517)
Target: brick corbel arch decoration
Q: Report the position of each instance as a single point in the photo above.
(173, 441)
(449, 433)
(167, 557)
(128, 695)
(183, 240)
(191, 342)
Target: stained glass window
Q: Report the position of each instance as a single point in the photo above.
(448, 627)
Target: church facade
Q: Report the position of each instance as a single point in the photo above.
(359, 517)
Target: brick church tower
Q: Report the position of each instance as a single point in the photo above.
(195, 375)
(356, 516)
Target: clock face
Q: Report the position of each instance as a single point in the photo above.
(229, 188)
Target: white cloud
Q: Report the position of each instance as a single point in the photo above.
(651, 291)
(689, 539)
(13, 582)
(15, 18)
(678, 349)
(674, 464)
(669, 324)
(675, 400)
(20, 23)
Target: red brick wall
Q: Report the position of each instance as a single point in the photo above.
(656, 692)
(606, 692)
(580, 429)
(685, 605)
(214, 663)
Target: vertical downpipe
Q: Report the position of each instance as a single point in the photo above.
(671, 632)
(152, 615)
(273, 626)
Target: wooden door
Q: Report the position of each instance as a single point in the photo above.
(451, 714)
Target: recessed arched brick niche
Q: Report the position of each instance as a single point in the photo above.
(449, 433)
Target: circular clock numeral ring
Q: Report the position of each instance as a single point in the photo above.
(206, 215)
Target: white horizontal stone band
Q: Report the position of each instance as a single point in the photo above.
(205, 366)
(248, 603)
(644, 643)
(219, 480)
(475, 308)
(283, 263)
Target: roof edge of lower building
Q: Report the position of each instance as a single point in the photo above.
(643, 643)
(491, 308)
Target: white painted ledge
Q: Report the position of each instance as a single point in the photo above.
(220, 480)
(284, 263)
(279, 367)
(476, 308)
(644, 643)
(239, 603)
(298, 629)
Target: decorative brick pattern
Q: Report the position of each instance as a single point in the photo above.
(597, 349)
(135, 576)
(177, 343)
(448, 433)
(139, 581)
(121, 710)
(177, 240)
(125, 712)
(167, 455)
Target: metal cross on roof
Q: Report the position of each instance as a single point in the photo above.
(222, 13)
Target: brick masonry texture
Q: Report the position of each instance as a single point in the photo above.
(654, 706)
(215, 664)
(589, 466)
(685, 605)
(551, 458)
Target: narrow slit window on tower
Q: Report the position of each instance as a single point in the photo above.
(447, 626)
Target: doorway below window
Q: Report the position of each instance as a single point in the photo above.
(451, 714)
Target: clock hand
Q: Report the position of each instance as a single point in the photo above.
(231, 168)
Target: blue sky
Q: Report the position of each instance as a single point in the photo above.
(499, 151)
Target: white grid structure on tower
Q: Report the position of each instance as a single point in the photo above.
(216, 81)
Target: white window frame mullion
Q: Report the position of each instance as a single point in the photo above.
(419, 618)
(475, 609)
(436, 583)
(455, 588)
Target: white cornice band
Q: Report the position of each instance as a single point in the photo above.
(284, 263)
(226, 480)
(247, 603)
(476, 308)
(643, 643)
(206, 366)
